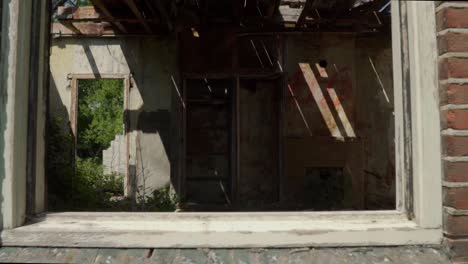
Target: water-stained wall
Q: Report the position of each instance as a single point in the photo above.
(339, 115)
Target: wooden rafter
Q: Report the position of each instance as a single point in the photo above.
(109, 15)
(139, 15)
(163, 12)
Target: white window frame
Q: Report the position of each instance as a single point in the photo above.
(299, 229)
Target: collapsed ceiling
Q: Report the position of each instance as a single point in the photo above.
(159, 17)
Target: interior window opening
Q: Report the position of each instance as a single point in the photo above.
(255, 109)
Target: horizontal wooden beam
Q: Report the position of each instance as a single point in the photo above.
(84, 28)
(69, 25)
(78, 13)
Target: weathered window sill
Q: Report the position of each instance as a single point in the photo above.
(220, 230)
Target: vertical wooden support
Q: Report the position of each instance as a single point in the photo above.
(74, 107)
(235, 128)
(282, 102)
(235, 140)
(183, 140)
(129, 188)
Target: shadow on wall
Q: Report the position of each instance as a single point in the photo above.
(3, 120)
(151, 127)
(5, 44)
(150, 123)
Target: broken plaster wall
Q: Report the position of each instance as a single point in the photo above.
(347, 124)
(151, 63)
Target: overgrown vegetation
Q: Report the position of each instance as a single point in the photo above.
(78, 182)
(100, 116)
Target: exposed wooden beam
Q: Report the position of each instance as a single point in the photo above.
(139, 15)
(108, 14)
(69, 24)
(78, 13)
(83, 29)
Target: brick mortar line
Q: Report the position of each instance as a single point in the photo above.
(454, 184)
(453, 30)
(454, 81)
(455, 212)
(455, 159)
(451, 4)
(453, 132)
(452, 54)
(455, 239)
(454, 107)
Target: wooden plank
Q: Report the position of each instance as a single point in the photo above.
(235, 137)
(89, 13)
(139, 15)
(69, 24)
(84, 28)
(108, 14)
(85, 12)
(74, 106)
(183, 175)
(282, 181)
(128, 190)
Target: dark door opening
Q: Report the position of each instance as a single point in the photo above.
(208, 179)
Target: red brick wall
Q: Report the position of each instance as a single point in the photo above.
(452, 28)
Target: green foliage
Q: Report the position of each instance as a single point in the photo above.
(79, 183)
(59, 166)
(100, 118)
(162, 200)
(84, 3)
(92, 188)
(76, 184)
(84, 187)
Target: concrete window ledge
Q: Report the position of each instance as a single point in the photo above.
(222, 230)
(397, 255)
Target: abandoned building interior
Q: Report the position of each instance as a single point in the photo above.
(221, 105)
